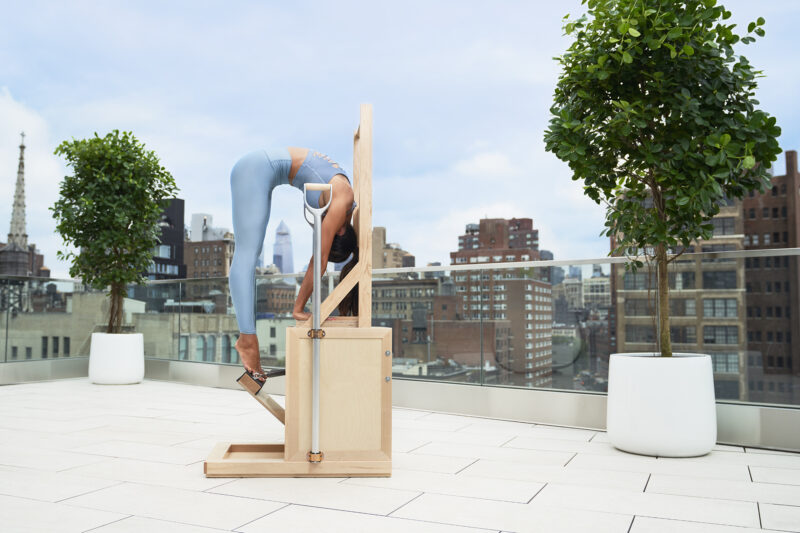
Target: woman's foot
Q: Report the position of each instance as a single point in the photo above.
(247, 346)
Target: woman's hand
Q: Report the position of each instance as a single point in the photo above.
(301, 315)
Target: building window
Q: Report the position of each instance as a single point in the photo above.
(44, 347)
(13, 352)
(723, 225)
(55, 346)
(211, 348)
(200, 348)
(721, 335)
(719, 308)
(66, 346)
(183, 346)
(725, 363)
(226, 349)
(28, 352)
(272, 332)
(721, 279)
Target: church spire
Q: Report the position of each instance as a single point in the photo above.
(17, 234)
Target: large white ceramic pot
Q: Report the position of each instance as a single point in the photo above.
(116, 358)
(661, 406)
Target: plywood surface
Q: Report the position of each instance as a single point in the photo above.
(355, 397)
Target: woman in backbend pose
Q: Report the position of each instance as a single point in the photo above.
(253, 178)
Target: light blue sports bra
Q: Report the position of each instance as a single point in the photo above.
(316, 168)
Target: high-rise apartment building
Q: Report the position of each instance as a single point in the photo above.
(772, 221)
(282, 256)
(707, 305)
(508, 294)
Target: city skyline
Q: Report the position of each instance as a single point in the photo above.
(455, 114)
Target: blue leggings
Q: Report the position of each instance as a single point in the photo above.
(253, 178)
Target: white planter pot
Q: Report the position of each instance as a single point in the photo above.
(661, 406)
(116, 358)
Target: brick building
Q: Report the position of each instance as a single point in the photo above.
(772, 220)
(508, 294)
(707, 305)
(275, 297)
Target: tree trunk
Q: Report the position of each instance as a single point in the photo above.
(115, 313)
(663, 301)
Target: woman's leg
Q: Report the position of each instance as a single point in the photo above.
(252, 181)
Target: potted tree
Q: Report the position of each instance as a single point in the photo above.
(109, 210)
(655, 113)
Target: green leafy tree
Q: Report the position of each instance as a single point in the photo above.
(109, 210)
(655, 113)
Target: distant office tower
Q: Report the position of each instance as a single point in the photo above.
(282, 250)
(555, 274)
(575, 272)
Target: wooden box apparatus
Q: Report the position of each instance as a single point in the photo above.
(354, 419)
(355, 411)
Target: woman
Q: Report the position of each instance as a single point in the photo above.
(253, 178)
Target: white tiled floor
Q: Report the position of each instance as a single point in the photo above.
(111, 459)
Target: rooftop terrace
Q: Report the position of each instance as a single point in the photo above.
(81, 457)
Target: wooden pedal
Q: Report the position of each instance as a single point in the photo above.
(255, 387)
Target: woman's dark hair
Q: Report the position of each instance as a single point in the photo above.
(343, 245)
(349, 304)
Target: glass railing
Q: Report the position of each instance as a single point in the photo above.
(543, 324)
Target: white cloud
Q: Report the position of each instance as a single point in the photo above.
(461, 97)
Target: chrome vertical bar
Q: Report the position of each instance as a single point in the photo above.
(316, 224)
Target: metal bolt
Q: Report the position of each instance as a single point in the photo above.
(388, 353)
(387, 379)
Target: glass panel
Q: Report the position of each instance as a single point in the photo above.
(500, 324)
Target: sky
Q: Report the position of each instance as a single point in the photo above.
(460, 91)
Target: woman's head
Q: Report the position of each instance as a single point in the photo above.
(343, 245)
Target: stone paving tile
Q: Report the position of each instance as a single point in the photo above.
(76, 456)
(21, 515)
(299, 519)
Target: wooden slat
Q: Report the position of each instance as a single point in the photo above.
(364, 150)
(339, 292)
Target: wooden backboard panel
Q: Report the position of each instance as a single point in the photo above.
(355, 396)
(362, 223)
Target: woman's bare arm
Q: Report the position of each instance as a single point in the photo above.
(334, 219)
